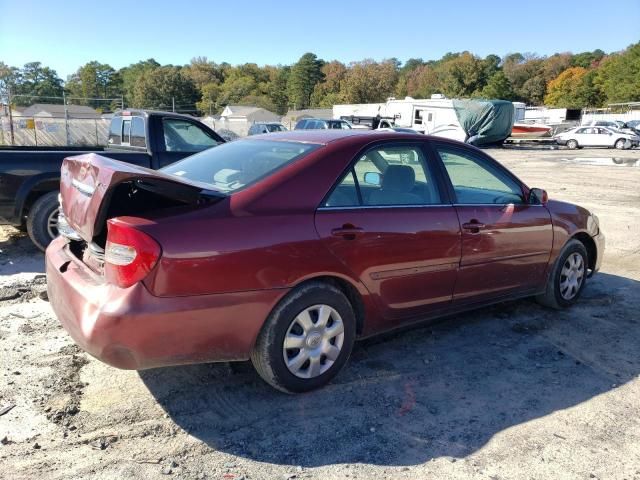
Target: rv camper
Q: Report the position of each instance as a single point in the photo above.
(479, 122)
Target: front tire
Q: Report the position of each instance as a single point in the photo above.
(306, 340)
(568, 277)
(42, 220)
(572, 144)
(621, 144)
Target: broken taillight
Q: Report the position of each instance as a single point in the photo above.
(129, 254)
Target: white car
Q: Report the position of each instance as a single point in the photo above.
(597, 137)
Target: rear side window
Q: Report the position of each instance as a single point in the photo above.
(138, 137)
(115, 131)
(234, 165)
(126, 132)
(184, 136)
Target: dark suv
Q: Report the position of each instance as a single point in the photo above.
(320, 124)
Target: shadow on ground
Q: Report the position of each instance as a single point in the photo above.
(441, 390)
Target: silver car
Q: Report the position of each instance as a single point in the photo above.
(580, 137)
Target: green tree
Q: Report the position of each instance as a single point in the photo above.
(305, 74)
(131, 74)
(9, 78)
(36, 82)
(618, 76)
(498, 87)
(94, 80)
(278, 89)
(587, 59)
(159, 88)
(209, 95)
(462, 75)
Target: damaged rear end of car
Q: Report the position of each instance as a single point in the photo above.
(97, 267)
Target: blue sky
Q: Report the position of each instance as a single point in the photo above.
(68, 33)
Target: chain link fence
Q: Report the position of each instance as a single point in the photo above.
(53, 132)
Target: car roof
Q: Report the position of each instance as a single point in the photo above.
(323, 137)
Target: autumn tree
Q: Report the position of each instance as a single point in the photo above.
(423, 82)
(328, 92)
(203, 72)
(369, 81)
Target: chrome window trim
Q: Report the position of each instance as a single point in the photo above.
(439, 205)
(376, 207)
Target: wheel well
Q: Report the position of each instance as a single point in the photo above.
(590, 245)
(350, 292)
(38, 191)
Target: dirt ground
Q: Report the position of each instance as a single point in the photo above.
(508, 392)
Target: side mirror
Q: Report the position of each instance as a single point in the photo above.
(538, 196)
(373, 178)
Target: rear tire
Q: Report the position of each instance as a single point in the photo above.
(42, 220)
(306, 339)
(572, 144)
(567, 278)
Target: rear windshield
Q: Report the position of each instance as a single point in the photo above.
(235, 165)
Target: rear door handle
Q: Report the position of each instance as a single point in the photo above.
(348, 232)
(473, 226)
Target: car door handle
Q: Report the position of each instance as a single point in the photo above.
(348, 232)
(473, 226)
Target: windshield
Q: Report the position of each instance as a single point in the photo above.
(234, 165)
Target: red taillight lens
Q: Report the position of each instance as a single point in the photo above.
(129, 254)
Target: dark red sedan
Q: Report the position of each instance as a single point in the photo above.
(286, 248)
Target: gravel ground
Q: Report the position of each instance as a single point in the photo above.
(508, 392)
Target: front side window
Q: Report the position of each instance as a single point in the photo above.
(235, 165)
(389, 175)
(476, 181)
(184, 136)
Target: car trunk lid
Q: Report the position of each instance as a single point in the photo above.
(88, 183)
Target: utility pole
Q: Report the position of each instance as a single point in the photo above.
(10, 116)
(173, 104)
(66, 117)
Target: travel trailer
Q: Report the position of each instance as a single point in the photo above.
(472, 121)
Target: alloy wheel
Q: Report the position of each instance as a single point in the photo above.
(572, 276)
(52, 224)
(313, 341)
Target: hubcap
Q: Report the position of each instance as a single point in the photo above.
(313, 341)
(52, 224)
(571, 276)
